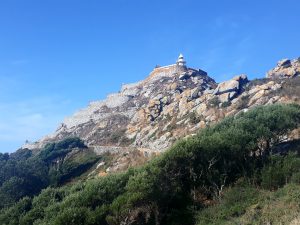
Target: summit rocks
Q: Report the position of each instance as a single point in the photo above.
(174, 101)
(285, 69)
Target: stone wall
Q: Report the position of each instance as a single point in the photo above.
(159, 72)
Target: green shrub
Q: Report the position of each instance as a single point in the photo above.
(273, 175)
(191, 173)
(234, 203)
(73, 216)
(214, 102)
(280, 171)
(194, 118)
(226, 104)
(12, 215)
(243, 102)
(296, 178)
(25, 174)
(55, 150)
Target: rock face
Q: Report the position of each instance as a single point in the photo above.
(229, 89)
(172, 102)
(285, 68)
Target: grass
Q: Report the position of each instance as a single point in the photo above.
(248, 205)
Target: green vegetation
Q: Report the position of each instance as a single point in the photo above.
(214, 102)
(118, 137)
(289, 88)
(247, 204)
(25, 174)
(226, 104)
(243, 102)
(194, 118)
(226, 173)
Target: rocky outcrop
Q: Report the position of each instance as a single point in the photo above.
(285, 69)
(229, 89)
(172, 102)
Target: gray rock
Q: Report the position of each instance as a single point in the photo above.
(208, 91)
(195, 92)
(285, 68)
(233, 85)
(184, 76)
(158, 97)
(284, 63)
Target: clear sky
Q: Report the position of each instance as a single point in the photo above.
(57, 55)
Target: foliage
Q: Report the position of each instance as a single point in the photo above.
(289, 88)
(25, 174)
(194, 118)
(280, 171)
(243, 102)
(214, 102)
(188, 178)
(55, 150)
(234, 203)
(226, 104)
(249, 205)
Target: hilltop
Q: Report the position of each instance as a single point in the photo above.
(115, 162)
(174, 101)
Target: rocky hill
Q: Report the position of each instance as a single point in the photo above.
(174, 101)
(242, 169)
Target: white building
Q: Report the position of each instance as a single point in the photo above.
(181, 61)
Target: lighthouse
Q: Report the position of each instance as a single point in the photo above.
(180, 60)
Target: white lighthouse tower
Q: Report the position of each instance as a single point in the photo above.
(180, 60)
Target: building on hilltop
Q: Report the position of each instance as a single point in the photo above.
(169, 70)
(181, 61)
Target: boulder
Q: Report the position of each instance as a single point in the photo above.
(225, 97)
(184, 76)
(285, 68)
(285, 63)
(232, 85)
(229, 89)
(195, 92)
(227, 86)
(173, 86)
(257, 96)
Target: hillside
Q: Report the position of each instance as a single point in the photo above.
(194, 143)
(239, 171)
(174, 101)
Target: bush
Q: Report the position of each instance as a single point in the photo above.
(243, 102)
(185, 178)
(73, 216)
(194, 118)
(296, 178)
(226, 104)
(25, 174)
(273, 175)
(116, 136)
(280, 171)
(214, 102)
(234, 203)
(55, 150)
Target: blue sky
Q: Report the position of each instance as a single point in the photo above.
(57, 55)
